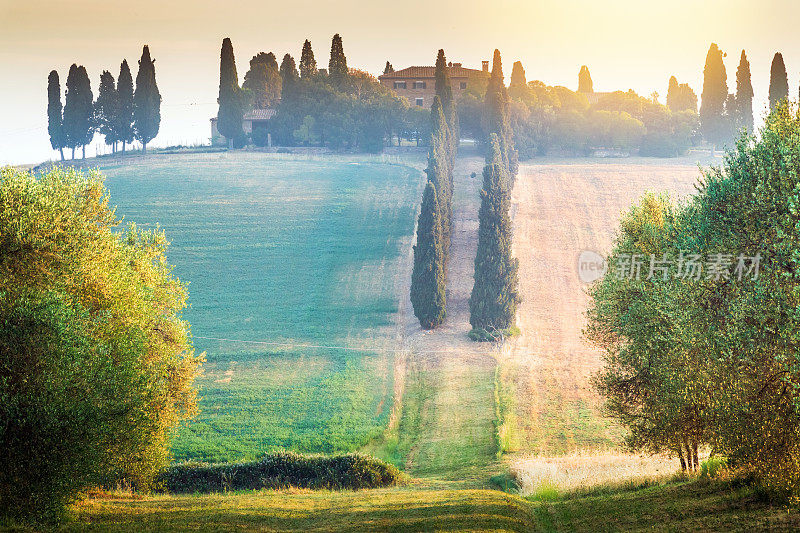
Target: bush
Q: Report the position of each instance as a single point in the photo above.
(712, 467)
(281, 470)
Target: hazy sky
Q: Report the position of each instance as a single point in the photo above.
(626, 44)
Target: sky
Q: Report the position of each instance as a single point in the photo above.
(626, 44)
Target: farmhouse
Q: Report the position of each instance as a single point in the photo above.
(418, 84)
(256, 118)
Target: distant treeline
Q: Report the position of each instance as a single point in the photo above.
(337, 107)
(120, 113)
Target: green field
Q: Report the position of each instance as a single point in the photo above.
(276, 250)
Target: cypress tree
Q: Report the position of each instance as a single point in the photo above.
(778, 82)
(388, 69)
(55, 124)
(106, 108)
(744, 94)
(585, 84)
(518, 80)
(337, 66)
(715, 92)
(427, 278)
(680, 97)
(440, 167)
(444, 91)
(496, 117)
(495, 294)
(146, 101)
(78, 110)
(308, 65)
(289, 75)
(124, 122)
(231, 100)
(672, 93)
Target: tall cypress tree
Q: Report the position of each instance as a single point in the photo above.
(444, 91)
(496, 117)
(672, 93)
(495, 294)
(585, 84)
(778, 82)
(518, 81)
(744, 95)
(308, 65)
(440, 168)
(55, 121)
(289, 74)
(78, 110)
(231, 99)
(427, 278)
(263, 80)
(146, 101)
(337, 66)
(106, 108)
(712, 101)
(388, 69)
(124, 122)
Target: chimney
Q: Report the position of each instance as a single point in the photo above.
(485, 66)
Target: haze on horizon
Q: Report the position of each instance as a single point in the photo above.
(626, 44)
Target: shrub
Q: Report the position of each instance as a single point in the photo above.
(281, 470)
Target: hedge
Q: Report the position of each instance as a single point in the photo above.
(280, 470)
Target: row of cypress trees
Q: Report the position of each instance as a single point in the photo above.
(722, 114)
(434, 228)
(120, 113)
(495, 294)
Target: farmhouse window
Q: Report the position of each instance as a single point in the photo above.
(420, 102)
(463, 85)
(399, 85)
(419, 84)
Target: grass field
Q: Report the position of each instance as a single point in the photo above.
(300, 252)
(674, 506)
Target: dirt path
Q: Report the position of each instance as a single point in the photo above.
(561, 210)
(447, 426)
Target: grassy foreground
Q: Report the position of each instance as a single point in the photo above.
(680, 506)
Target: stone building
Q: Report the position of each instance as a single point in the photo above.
(256, 118)
(418, 84)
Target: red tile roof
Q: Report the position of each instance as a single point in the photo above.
(259, 114)
(428, 72)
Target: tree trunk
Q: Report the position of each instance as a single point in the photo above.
(689, 457)
(73, 152)
(61, 151)
(123, 147)
(144, 148)
(83, 150)
(694, 452)
(683, 461)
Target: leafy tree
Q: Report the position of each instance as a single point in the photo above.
(308, 65)
(388, 69)
(78, 110)
(496, 117)
(337, 66)
(778, 82)
(744, 95)
(495, 294)
(427, 279)
(96, 365)
(55, 125)
(231, 99)
(263, 81)
(124, 122)
(146, 101)
(106, 109)
(680, 97)
(715, 90)
(585, 81)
